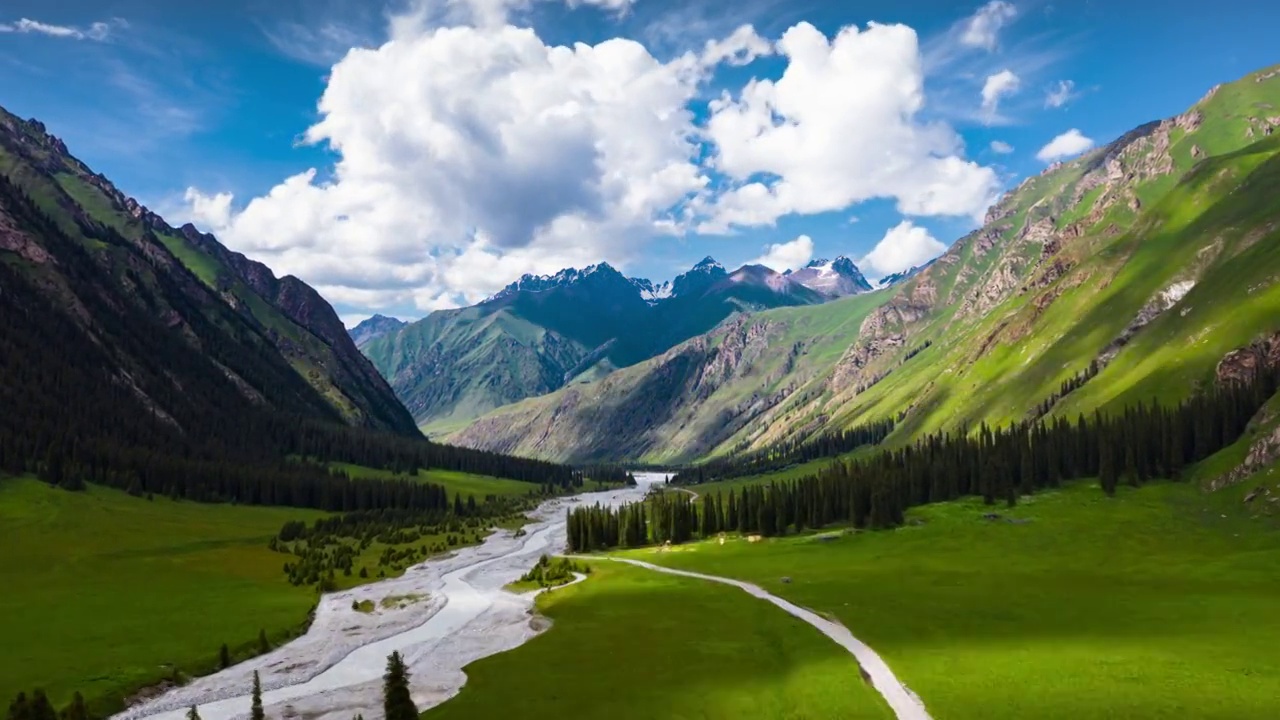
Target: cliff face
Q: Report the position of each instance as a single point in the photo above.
(1121, 275)
(303, 328)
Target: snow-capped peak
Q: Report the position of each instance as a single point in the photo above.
(538, 283)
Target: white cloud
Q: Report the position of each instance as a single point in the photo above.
(837, 128)
(496, 13)
(469, 156)
(983, 29)
(1061, 94)
(998, 86)
(787, 256)
(1001, 147)
(1069, 143)
(903, 247)
(742, 47)
(96, 31)
(211, 211)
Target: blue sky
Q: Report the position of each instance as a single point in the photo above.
(200, 108)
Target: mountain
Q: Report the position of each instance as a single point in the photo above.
(832, 278)
(542, 332)
(79, 243)
(1127, 274)
(373, 328)
(901, 277)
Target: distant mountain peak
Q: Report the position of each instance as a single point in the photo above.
(832, 278)
(565, 277)
(707, 262)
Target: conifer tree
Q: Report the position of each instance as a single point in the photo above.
(76, 710)
(396, 701)
(224, 657)
(255, 711)
(193, 714)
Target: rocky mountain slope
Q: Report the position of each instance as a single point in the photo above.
(292, 351)
(832, 278)
(542, 332)
(1124, 275)
(373, 328)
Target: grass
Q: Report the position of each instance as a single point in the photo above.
(104, 592)
(635, 644)
(1159, 603)
(452, 480)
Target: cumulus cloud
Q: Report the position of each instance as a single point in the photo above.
(98, 31)
(1001, 147)
(998, 86)
(903, 247)
(983, 28)
(838, 127)
(787, 256)
(1069, 143)
(210, 211)
(1060, 94)
(469, 156)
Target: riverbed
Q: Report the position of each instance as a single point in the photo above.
(457, 614)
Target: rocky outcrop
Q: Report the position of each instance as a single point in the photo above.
(1154, 308)
(1243, 364)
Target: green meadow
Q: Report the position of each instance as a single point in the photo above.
(454, 481)
(633, 644)
(105, 593)
(1158, 603)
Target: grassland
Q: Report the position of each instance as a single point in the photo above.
(104, 593)
(1159, 603)
(635, 644)
(452, 480)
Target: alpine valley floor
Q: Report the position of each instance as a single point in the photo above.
(1158, 603)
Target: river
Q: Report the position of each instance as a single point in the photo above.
(457, 613)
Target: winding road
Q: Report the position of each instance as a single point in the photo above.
(904, 703)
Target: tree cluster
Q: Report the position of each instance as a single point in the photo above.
(1141, 443)
(778, 456)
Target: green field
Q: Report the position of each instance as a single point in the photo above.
(1159, 603)
(635, 644)
(452, 480)
(103, 592)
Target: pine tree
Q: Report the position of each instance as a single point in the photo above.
(193, 714)
(263, 645)
(76, 710)
(255, 711)
(396, 701)
(224, 657)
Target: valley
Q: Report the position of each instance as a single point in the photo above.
(980, 420)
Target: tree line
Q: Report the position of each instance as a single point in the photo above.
(786, 453)
(1143, 442)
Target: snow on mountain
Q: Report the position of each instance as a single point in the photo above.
(832, 278)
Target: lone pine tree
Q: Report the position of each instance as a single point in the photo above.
(256, 712)
(396, 702)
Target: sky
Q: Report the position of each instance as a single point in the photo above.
(422, 154)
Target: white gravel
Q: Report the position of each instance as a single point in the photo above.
(334, 671)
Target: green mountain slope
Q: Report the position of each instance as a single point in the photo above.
(1146, 260)
(543, 332)
(299, 325)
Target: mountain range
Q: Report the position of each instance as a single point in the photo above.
(1127, 274)
(543, 332)
(86, 258)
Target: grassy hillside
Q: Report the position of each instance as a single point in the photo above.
(1170, 611)
(631, 643)
(1152, 256)
(105, 593)
(453, 481)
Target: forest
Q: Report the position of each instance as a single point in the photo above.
(1144, 442)
(781, 455)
